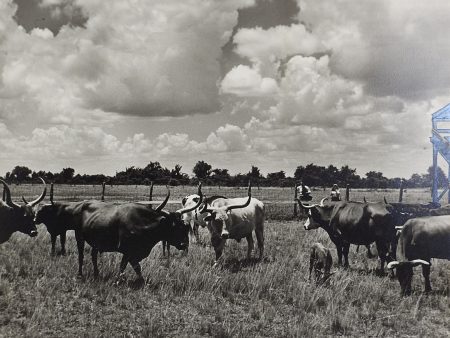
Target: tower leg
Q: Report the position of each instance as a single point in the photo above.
(434, 191)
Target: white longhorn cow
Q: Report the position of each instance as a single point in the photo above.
(235, 218)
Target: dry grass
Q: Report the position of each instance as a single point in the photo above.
(185, 296)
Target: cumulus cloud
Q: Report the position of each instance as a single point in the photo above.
(156, 58)
(245, 81)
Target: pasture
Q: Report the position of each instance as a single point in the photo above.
(185, 296)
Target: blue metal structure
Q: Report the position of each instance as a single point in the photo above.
(441, 145)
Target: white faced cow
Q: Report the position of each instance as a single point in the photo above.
(235, 218)
(15, 217)
(194, 218)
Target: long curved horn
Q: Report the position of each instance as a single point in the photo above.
(304, 206)
(185, 210)
(231, 207)
(399, 227)
(419, 261)
(163, 204)
(205, 207)
(8, 199)
(321, 201)
(392, 265)
(40, 198)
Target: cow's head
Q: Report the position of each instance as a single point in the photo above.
(318, 214)
(22, 216)
(218, 216)
(405, 273)
(177, 231)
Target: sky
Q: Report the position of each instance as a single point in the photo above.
(104, 85)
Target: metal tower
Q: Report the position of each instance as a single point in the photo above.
(441, 145)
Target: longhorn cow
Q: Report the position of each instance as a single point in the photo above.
(420, 240)
(132, 229)
(353, 223)
(15, 217)
(235, 218)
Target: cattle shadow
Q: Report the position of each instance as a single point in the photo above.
(235, 265)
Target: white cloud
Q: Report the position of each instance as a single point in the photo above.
(245, 81)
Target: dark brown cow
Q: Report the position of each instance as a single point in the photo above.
(420, 240)
(132, 229)
(15, 217)
(353, 223)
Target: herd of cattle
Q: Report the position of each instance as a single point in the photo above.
(406, 235)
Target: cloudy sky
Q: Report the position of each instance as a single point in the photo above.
(103, 85)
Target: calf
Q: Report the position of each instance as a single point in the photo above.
(320, 260)
(420, 240)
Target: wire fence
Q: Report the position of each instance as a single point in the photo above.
(279, 201)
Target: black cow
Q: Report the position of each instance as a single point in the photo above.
(353, 223)
(58, 218)
(132, 229)
(15, 217)
(420, 240)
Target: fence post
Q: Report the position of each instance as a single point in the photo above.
(400, 197)
(103, 191)
(295, 200)
(150, 195)
(51, 193)
(347, 193)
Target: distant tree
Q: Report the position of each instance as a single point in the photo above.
(202, 170)
(21, 173)
(375, 179)
(67, 174)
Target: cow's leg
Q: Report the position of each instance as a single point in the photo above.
(218, 244)
(62, 239)
(250, 244)
(260, 239)
(339, 253)
(196, 234)
(137, 268)
(382, 251)
(53, 239)
(426, 274)
(80, 247)
(165, 245)
(369, 253)
(311, 264)
(122, 266)
(345, 250)
(94, 254)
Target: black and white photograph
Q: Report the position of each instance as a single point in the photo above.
(224, 168)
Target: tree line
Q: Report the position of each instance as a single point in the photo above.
(310, 174)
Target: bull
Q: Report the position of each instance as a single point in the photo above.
(235, 218)
(15, 217)
(420, 240)
(353, 223)
(131, 229)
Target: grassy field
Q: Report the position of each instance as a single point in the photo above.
(185, 296)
